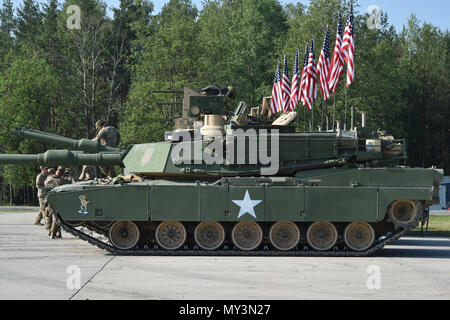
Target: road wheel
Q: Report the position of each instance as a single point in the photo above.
(322, 236)
(124, 235)
(209, 235)
(170, 235)
(284, 235)
(247, 236)
(359, 236)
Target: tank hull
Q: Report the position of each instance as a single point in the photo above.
(337, 197)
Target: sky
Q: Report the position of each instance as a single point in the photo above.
(435, 12)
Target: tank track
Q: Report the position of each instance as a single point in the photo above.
(103, 243)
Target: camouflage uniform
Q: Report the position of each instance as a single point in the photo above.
(40, 180)
(51, 182)
(108, 136)
(68, 176)
(88, 173)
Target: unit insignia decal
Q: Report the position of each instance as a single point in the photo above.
(83, 208)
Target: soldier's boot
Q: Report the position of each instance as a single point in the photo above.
(58, 234)
(38, 219)
(48, 224)
(55, 229)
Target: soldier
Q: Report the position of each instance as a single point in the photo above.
(52, 181)
(107, 136)
(48, 184)
(68, 176)
(88, 173)
(40, 180)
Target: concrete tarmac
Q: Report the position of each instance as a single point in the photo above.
(34, 267)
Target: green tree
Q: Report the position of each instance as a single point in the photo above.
(131, 16)
(425, 62)
(167, 59)
(51, 39)
(29, 26)
(7, 27)
(239, 41)
(86, 56)
(27, 92)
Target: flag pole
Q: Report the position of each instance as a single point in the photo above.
(323, 108)
(345, 116)
(304, 119)
(334, 111)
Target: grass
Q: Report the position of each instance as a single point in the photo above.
(439, 227)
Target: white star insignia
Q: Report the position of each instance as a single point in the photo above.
(247, 205)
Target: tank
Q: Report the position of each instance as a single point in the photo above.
(231, 183)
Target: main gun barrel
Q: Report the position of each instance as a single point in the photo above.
(63, 158)
(85, 145)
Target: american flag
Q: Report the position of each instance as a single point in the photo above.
(276, 104)
(337, 64)
(323, 66)
(295, 84)
(303, 77)
(286, 86)
(348, 47)
(311, 79)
